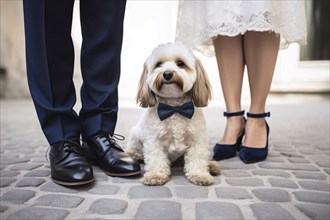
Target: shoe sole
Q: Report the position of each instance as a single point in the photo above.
(252, 161)
(73, 183)
(93, 163)
(122, 174)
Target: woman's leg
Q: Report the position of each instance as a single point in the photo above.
(260, 53)
(230, 59)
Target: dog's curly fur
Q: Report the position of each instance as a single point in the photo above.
(159, 143)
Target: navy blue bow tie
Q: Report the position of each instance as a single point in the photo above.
(164, 111)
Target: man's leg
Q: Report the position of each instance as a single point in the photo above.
(102, 32)
(50, 59)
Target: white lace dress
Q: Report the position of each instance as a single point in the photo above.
(200, 21)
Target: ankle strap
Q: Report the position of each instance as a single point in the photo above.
(230, 114)
(262, 115)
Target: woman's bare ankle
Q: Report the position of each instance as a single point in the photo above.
(234, 128)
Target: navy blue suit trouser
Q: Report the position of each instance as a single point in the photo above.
(50, 63)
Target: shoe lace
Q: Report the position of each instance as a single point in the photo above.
(70, 146)
(118, 137)
(111, 141)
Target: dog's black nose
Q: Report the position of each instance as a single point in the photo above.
(167, 75)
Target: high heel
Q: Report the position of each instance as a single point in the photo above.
(226, 151)
(250, 154)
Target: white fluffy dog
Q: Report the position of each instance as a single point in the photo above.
(173, 87)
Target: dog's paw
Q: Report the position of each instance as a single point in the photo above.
(200, 179)
(214, 168)
(137, 155)
(155, 179)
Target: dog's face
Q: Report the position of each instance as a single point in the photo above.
(170, 72)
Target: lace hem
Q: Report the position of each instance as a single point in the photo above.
(264, 21)
(203, 26)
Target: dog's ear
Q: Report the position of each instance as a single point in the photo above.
(145, 97)
(201, 90)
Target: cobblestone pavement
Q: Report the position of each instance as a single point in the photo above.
(293, 183)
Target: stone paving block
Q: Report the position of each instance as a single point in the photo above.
(33, 182)
(104, 189)
(133, 179)
(245, 181)
(298, 160)
(34, 213)
(41, 159)
(191, 192)
(18, 196)
(291, 155)
(26, 166)
(301, 144)
(323, 144)
(323, 163)
(236, 166)
(309, 175)
(218, 210)
(314, 197)
(137, 192)
(5, 173)
(275, 159)
(182, 180)
(97, 169)
(283, 146)
(271, 173)
(108, 206)
(59, 201)
(289, 152)
(4, 182)
(286, 166)
(315, 185)
(284, 149)
(12, 160)
(315, 211)
(52, 187)
(270, 211)
(38, 173)
(322, 160)
(100, 177)
(283, 183)
(235, 173)
(309, 151)
(157, 209)
(232, 193)
(272, 153)
(272, 195)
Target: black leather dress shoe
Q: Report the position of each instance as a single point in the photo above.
(68, 165)
(104, 151)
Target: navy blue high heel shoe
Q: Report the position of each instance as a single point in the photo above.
(250, 154)
(226, 151)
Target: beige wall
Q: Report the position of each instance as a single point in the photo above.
(12, 52)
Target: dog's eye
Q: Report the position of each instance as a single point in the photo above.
(158, 64)
(180, 64)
